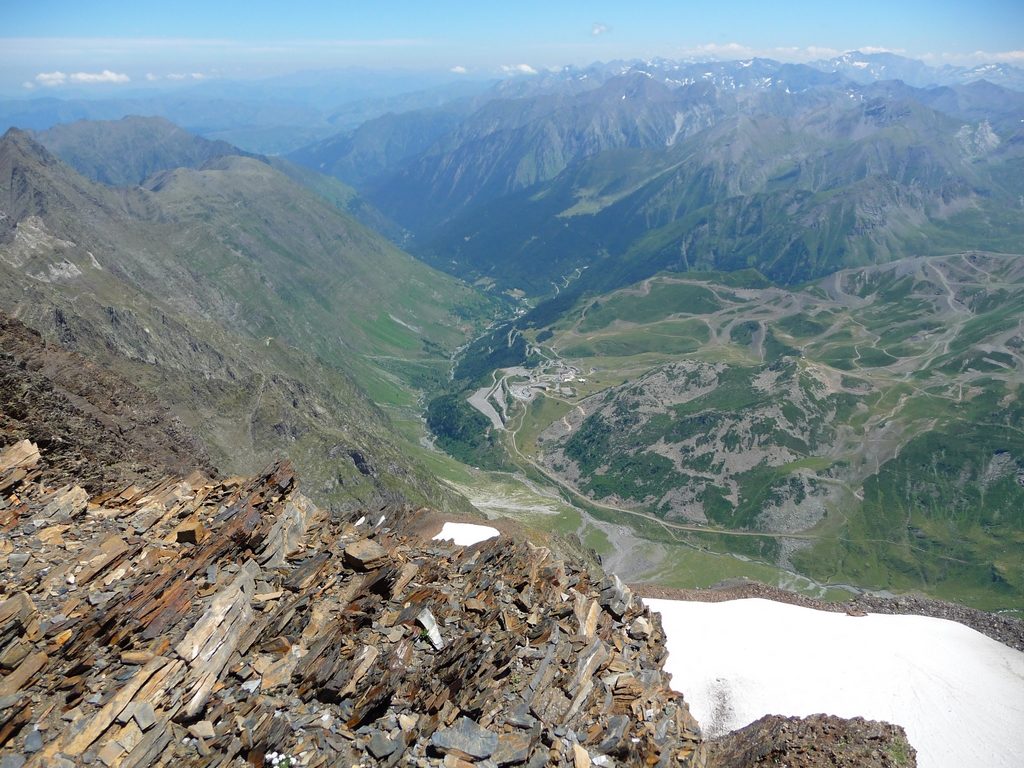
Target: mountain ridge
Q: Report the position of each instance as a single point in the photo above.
(647, 170)
(91, 265)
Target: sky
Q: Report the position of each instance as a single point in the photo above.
(54, 44)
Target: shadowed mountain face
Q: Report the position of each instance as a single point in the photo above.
(240, 297)
(792, 170)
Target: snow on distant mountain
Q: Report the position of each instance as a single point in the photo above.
(872, 67)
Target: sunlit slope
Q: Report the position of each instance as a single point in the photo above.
(877, 411)
(272, 322)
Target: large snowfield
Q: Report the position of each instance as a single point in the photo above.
(466, 534)
(958, 694)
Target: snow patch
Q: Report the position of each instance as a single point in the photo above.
(466, 534)
(679, 119)
(958, 694)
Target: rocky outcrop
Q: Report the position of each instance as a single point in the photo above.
(216, 623)
(819, 740)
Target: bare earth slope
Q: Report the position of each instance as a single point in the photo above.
(91, 423)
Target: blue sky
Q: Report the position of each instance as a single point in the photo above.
(120, 43)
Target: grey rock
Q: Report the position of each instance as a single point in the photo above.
(12, 761)
(67, 503)
(616, 731)
(18, 560)
(202, 730)
(34, 741)
(616, 596)
(144, 715)
(381, 746)
(640, 629)
(513, 749)
(7, 702)
(520, 716)
(466, 739)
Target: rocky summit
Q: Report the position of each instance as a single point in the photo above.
(221, 622)
(212, 623)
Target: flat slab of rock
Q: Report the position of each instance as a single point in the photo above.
(365, 555)
(466, 739)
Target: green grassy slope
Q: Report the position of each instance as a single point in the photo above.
(273, 323)
(876, 413)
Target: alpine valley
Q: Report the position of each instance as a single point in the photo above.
(718, 320)
(765, 309)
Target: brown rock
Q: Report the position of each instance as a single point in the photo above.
(365, 555)
(190, 532)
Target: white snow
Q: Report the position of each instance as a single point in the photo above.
(680, 120)
(958, 694)
(466, 534)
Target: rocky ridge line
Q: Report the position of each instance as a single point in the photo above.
(198, 622)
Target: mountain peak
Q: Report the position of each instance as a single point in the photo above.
(125, 152)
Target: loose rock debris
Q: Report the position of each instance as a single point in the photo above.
(219, 622)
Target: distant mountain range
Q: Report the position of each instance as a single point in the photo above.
(282, 114)
(621, 170)
(784, 289)
(872, 67)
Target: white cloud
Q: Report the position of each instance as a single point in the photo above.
(518, 69)
(881, 49)
(50, 79)
(106, 76)
(178, 76)
(28, 84)
(731, 51)
(814, 52)
(459, 70)
(598, 29)
(977, 57)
